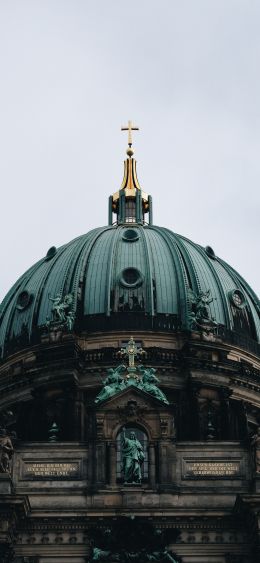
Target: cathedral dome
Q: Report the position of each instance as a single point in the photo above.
(128, 276)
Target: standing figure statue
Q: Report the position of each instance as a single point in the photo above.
(6, 451)
(256, 445)
(132, 458)
(61, 307)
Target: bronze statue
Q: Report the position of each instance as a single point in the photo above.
(143, 378)
(112, 384)
(256, 445)
(201, 316)
(133, 457)
(61, 308)
(100, 554)
(161, 556)
(6, 451)
(149, 383)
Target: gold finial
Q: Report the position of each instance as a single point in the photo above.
(130, 127)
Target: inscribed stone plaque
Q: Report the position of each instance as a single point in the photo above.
(50, 470)
(217, 469)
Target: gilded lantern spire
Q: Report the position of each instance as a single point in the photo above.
(130, 181)
(130, 204)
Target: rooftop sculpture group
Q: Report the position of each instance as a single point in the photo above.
(62, 313)
(121, 377)
(143, 378)
(201, 317)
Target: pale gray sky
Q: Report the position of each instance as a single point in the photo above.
(73, 71)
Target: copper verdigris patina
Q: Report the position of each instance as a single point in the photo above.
(121, 378)
(132, 458)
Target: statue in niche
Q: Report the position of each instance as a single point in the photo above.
(61, 307)
(201, 316)
(132, 458)
(112, 384)
(256, 447)
(149, 383)
(6, 451)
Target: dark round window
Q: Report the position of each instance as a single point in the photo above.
(51, 252)
(130, 235)
(23, 300)
(210, 252)
(131, 277)
(237, 298)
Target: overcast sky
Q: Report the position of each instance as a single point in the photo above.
(185, 71)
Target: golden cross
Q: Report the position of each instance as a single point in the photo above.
(130, 128)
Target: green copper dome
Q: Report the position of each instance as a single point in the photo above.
(129, 276)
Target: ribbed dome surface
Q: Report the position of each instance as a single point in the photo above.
(126, 276)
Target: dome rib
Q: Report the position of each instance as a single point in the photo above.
(148, 271)
(180, 273)
(113, 254)
(206, 261)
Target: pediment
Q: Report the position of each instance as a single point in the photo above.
(135, 395)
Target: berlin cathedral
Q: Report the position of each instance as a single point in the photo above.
(130, 399)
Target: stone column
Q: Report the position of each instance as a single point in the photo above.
(112, 463)
(151, 464)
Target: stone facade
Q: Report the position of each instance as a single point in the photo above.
(199, 486)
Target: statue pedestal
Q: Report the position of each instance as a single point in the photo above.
(6, 484)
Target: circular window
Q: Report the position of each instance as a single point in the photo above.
(131, 277)
(51, 252)
(130, 235)
(210, 252)
(237, 298)
(23, 300)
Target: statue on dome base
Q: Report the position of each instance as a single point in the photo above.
(62, 315)
(61, 307)
(201, 317)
